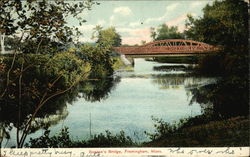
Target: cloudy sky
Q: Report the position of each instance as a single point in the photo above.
(133, 19)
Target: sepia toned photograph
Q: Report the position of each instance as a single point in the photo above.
(124, 74)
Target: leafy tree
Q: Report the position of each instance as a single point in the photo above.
(28, 82)
(96, 31)
(33, 81)
(143, 42)
(165, 32)
(41, 22)
(223, 23)
(153, 33)
(99, 58)
(6, 21)
(12, 43)
(108, 37)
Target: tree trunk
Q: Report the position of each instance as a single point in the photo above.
(2, 37)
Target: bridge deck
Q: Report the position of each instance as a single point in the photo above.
(162, 50)
(168, 47)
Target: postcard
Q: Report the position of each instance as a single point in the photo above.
(124, 78)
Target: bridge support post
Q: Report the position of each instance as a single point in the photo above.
(132, 61)
(126, 60)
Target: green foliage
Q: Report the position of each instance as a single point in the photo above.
(40, 78)
(97, 90)
(40, 46)
(99, 56)
(99, 59)
(118, 63)
(69, 66)
(41, 23)
(12, 43)
(165, 32)
(227, 98)
(223, 23)
(210, 65)
(63, 140)
(224, 65)
(7, 20)
(109, 140)
(108, 38)
(163, 129)
(30, 83)
(230, 132)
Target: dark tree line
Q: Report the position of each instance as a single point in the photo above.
(165, 32)
(224, 23)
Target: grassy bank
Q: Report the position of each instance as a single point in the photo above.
(118, 65)
(63, 140)
(222, 133)
(230, 132)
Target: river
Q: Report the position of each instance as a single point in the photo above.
(129, 102)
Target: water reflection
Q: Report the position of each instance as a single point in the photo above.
(127, 102)
(187, 80)
(170, 68)
(226, 98)
(51, 113)
(15, 118)
(96, 90)
(218, 97)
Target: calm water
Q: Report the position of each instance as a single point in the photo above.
(151, 89)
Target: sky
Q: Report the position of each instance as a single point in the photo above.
(133, 19)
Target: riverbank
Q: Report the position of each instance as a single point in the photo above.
(120, 65)
(227, 100)
(173, 96)
(233, 132)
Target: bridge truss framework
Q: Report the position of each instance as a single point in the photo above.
(171, 46)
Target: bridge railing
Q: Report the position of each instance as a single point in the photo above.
(165, 49)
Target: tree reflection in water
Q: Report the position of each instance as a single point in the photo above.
(219, 98)
(186, 80)
(226, 98)
(55, 110)
(96, 90)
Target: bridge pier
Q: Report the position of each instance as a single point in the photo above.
(131, 60)
(127, 60)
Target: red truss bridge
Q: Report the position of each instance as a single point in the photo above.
(168, 47)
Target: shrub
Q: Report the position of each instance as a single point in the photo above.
(99, 59)
(63, 140)
(34, 78)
